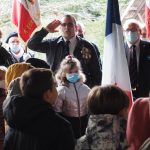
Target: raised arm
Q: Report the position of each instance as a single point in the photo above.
(36, 42)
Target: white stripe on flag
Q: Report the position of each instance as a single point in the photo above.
(115, 69)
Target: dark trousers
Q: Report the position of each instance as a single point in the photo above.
(78, 125)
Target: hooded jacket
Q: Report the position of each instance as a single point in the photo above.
(35, 126)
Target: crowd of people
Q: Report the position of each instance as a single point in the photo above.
(60, 104)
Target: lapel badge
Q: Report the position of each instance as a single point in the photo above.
(86, 54)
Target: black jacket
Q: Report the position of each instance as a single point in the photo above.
(5, 58)
(35, 126)
(55, 52)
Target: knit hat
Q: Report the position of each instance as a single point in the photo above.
(12, 34)
(16, 70)
(38, 63)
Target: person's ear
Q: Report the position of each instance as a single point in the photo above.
(140, 31)
(124, 113)
(76, 28)
(47, 95)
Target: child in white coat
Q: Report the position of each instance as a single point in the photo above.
(72, 94)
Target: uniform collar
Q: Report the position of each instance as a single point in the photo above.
(72, 40)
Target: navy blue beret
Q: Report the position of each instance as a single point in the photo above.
(12, 34)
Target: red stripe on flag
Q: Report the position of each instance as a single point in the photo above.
(147, 20)
(22, 19)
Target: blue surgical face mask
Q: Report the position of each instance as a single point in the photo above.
(72, 77)
(15, 48)
(132, 37)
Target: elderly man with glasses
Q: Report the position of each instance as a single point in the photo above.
(138, 58)
(68, 44)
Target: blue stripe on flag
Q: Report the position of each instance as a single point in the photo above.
(113, 15)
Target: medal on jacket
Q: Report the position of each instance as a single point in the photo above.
(86, 54)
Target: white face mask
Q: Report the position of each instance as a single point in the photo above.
(2, 84)
(15, 48)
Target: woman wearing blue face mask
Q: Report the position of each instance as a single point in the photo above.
(72, 94)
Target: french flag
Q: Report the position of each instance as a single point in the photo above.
(115, 67)
(26, 16)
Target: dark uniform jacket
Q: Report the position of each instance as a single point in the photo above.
(35, 126)
(54, 48)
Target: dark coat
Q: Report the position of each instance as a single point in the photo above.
(2, 126)
(143, 86)
(35, 126)
(55, 52)
(5, 58)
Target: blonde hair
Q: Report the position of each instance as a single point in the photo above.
(16, 70)
(70, 62)
(3, 70)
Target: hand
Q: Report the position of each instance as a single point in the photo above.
(51, 27)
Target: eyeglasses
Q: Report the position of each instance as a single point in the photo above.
(132, 30)
(67, 24)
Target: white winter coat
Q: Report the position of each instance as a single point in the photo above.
(67, 101)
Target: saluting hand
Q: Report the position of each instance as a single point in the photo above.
(51, 27)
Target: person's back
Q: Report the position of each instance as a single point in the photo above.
(37, 128)
(33, 125)
(138, 123)
(107, 123)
